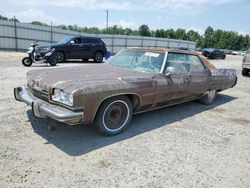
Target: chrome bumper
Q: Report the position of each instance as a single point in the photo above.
(246, 65)
(41, 109)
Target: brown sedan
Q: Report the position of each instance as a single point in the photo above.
(133, 81)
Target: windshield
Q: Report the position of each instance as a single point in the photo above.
(138, 60)
(65, 40)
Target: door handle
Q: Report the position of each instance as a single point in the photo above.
(186, 79)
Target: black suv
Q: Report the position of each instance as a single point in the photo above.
(79, 47)
(213, 53)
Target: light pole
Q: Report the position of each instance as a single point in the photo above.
(107, 19)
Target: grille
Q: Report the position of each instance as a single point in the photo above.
(39, 94)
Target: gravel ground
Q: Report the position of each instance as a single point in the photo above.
(187, 145)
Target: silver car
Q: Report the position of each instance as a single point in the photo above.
(246, 63)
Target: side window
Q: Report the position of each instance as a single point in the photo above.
(90, 40)
(77, 40)
(85, 40)
(195, 64)
(95, 41)
(176, 63)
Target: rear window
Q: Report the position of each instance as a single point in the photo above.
(90, 40)
(183, 63)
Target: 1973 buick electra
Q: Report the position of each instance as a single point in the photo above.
(133, 81)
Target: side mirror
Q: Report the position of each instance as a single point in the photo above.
(72, 42)
(167, 74)
(169, 71)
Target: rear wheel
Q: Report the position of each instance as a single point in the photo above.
(114, 116)
(98, 57)
(206, 54)
(245, 71)
(60, 56)
(27, 62)
(208, 97)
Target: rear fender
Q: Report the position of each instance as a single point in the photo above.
(223, 78)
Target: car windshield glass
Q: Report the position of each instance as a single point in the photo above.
(64, 40)
(138, 60)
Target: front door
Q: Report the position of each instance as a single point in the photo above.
(173, 85)
(199, 75)
(74, 49)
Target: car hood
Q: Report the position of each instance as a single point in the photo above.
(51, 45)
(85, 76)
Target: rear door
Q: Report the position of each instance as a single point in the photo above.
(88, 46)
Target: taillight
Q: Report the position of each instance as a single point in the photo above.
(244, 59)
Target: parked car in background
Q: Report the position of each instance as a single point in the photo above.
(246, 63)
(79, 47)
(235, 53)
(243, 53)
(133, 81)
(213, 53)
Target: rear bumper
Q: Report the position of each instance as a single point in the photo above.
(41, 109)
(246, 65)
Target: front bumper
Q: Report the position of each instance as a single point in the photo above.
(41, 109)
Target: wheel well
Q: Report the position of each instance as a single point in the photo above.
(62, 52)
(100, 51)
(135, 100)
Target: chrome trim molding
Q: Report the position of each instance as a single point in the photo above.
(41, 109)
(164, 62)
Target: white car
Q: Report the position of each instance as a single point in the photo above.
(246, 63)
(242, 53)
(235, 53)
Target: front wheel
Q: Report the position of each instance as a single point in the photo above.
(52, 61)
(208, 97)
(60, 56)
(98, 57)
(27, 62)
(114, 116)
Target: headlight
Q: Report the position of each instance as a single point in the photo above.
(47, 48)
(244, 59)
(62, 97)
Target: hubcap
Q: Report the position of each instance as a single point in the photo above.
(211, 94)
(27, 61)
(59, 57)
(116, 115)
(98, 57)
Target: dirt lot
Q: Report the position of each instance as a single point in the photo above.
(187, 145)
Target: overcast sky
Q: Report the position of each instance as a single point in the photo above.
(188, 14)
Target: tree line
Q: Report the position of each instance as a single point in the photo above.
(218, 38)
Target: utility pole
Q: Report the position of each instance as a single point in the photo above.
(15, 32)
(51, 33)
(107, 19)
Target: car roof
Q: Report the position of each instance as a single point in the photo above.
(89, 37)
(164, 50)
